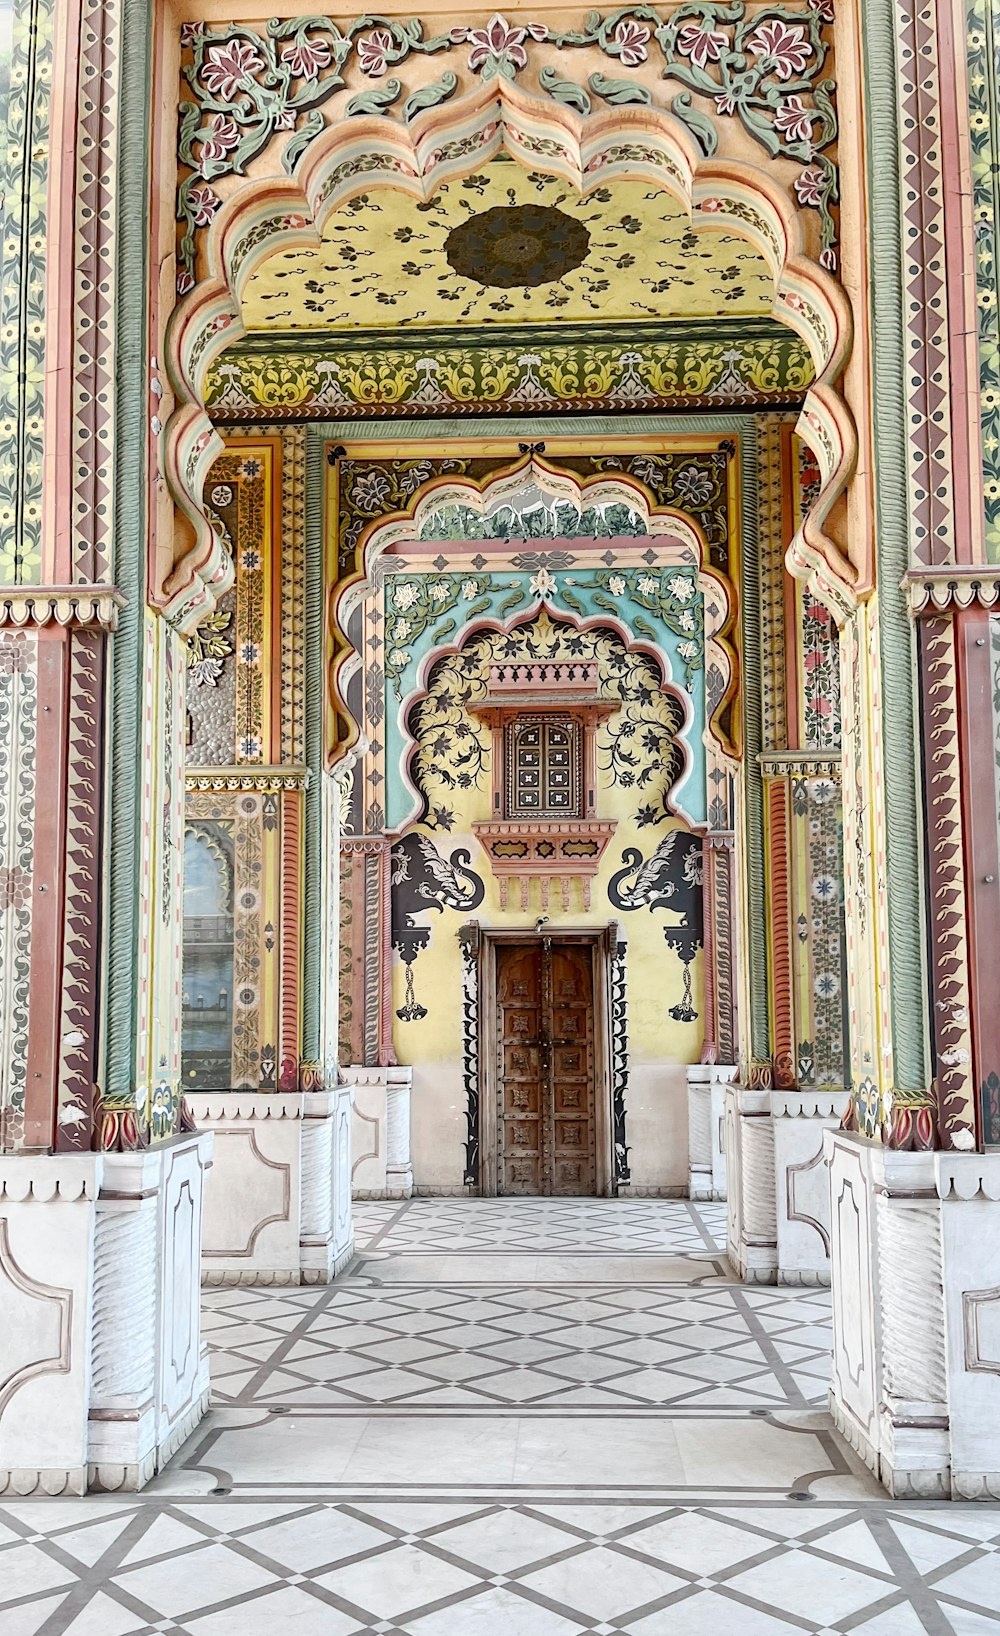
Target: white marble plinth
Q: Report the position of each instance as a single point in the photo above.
(102, 1371)
(778, 1221)
(381, 1165)
(751, 1216)
(915, 1244)
(706, 1085)
(802, 1181)
(278, 1204)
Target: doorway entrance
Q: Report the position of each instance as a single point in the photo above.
(546, 1070)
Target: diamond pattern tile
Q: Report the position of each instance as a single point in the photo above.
(416, 1379)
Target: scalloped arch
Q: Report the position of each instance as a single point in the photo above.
(267, 215)
(383, 534)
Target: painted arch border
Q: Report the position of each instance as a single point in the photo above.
(346, 597)
(270, 213)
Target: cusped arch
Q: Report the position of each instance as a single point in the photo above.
(663, 523)
(507, 627)
(646, 144)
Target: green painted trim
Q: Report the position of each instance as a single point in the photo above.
(531, 428)
(483, 337)
(759, 1042)
(312, 883)
(905, 896)
(125, 728)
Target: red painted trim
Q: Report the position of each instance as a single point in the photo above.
(979, 802)
(959, 256)
(48, 889)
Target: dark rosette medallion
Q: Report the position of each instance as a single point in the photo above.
(517, 246)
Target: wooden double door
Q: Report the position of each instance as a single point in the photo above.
(546, 1090)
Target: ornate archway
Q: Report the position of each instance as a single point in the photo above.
(237, 210)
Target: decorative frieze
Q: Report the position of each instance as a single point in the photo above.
(937, 590)
(259, 780)
(66, 605)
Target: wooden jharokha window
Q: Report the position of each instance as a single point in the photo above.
(544, 825)
(543, 757)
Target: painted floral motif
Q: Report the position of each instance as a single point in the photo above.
(639, 746)
(764, 68)
(499, 47)
(373, 50)
(228, 68)
(701, 43)
(783, 47)
(494, 379)
(632, 40)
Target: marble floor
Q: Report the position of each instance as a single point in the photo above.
(523, 1418)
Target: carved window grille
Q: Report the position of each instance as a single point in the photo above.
(543, 757)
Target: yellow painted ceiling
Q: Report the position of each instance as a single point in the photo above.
(383, 261)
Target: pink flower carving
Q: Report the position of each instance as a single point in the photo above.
(223, 134)
(305, 58)
(701, 44)
(828, 259)
(794, 120)
(204, 203)
(785, 43)
(284, 119)
(229, 66)
(633, 39)
(185, 283)
(15, 888)
(823, 10)
(372, 52)
(809, 186)
(725, 102)
(499, 45)
(190, 33)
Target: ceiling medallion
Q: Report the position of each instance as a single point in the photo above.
(517, 246)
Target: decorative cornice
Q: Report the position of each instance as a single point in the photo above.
(246, 1105)
(49, 1178)
(799, 764)
(937, 590)
(819, 1103)
(256, 780)
(81, 605)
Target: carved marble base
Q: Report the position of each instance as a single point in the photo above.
(706, 1129)
(381, 1166)
(916, 1315)
(278, 1204)
(778, 1226)
(102, 1370)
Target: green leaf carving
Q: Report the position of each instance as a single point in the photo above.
(698, 124)
(573, 96)
(619, 92)
(430, 96)
(375, 102)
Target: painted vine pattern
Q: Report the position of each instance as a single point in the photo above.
(763, 67)
(638, 746)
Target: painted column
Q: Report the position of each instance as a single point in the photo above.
(102, 1178)
(915, 1224)
(792, 1081)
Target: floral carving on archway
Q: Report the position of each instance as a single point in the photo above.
(764, 68)
(285, 95)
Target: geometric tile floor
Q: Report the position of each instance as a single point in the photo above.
(523, 1418)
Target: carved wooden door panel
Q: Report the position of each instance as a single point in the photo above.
(522, 1070)
(573, 1149)
(545, 1014)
